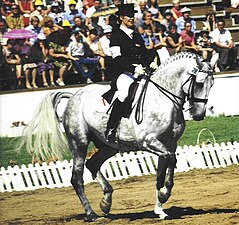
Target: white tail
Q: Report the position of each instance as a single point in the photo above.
(43, 136)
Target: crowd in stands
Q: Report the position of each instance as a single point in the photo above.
(72, 44)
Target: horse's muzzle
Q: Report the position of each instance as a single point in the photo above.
(198, 118)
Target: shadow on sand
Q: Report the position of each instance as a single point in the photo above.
(174, 212)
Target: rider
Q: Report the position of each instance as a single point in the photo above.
(130, 57)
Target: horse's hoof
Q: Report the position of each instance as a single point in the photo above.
(165, 217)
(105, 206)
(92, 217)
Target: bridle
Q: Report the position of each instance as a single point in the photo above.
(174, 98)
(192, 79)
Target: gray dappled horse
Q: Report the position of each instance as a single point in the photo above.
(161, 125)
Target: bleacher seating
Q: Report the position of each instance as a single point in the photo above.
(199, 9)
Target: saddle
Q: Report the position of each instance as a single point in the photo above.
(109, 95)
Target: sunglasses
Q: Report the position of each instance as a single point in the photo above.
(14, 8)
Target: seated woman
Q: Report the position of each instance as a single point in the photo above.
(188, 39)
(49, 26)
(58, 55)
(40, 52)
(22, 47)
(204, 42)
(160, 43)
(174, 40)
(13, 64)
(95, 46)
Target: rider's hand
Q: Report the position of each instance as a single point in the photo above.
(139, 70)
(153, 65)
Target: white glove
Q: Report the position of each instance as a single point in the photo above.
(153, 65)
(139, 70)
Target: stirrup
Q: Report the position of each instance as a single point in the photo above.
(110, 135)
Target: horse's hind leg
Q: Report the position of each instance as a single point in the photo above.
(165, 183)
(106, 202)
(79, 155)
(94, 164)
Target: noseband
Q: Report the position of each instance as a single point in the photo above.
(190, 95)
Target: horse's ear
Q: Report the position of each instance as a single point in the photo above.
(214, 60)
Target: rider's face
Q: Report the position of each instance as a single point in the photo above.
(127, 21)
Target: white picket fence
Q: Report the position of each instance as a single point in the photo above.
(120, 166)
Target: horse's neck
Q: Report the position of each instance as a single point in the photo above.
(169, 75)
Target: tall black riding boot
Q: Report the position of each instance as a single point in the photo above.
(113, 122)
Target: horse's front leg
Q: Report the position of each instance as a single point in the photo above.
(165, 175)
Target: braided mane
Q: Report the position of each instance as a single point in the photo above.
(178, 56)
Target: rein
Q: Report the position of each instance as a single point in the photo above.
(139, 108)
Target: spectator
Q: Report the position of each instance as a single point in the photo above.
(77, 50)
(72, 12)
(13, 64)
(96, 6)
(39, 12)
(188, 39)
(26, 7)
(153, 7)
(40, 53)
(95, 46)
(3, 26)
(56, 14)
(22, 48)
(106, 3)
(87, 4)
(224, 45)
(149, 40)
(174, 40)
(113, 19)
(141, 8)
(6, 7)
(176, 10)
(160, 44)
(148, 36)
(81, 25)
(168, 19)
(58, 54)
(210, 23)
(105, 43)
(95, 25)
(15, 19)
(48, 25)
(147, 19)
(180, 22)
(35, 28)
(204, 42)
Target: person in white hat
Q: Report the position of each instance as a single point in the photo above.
(180, 22)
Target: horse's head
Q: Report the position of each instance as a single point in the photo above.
(197, 87)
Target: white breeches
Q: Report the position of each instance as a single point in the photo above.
(123, 83)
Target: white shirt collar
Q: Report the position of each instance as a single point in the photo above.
(128, 31)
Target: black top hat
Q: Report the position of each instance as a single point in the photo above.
(126, 10)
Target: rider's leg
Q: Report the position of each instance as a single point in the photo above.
(123, 83)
